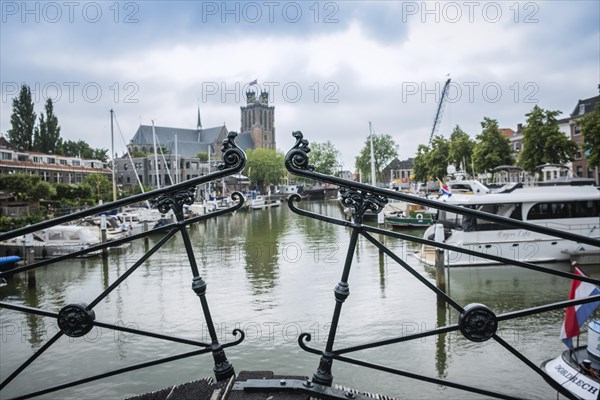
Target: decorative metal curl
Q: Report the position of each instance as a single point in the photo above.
(361, 202)
(297, 157)
(239, 340)
(233, 156)
(307, 336)
(75, 320)
(175, 201)
(477, 322)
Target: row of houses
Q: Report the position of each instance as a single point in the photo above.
(399, 172)
(53, 168)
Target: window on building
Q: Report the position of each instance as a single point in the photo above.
(25, 157)
(577, 130)
(581, 109)
(578, 155)
(51, 160)
(62, 162)
(6, 156)
(76, 163)
(579, 171)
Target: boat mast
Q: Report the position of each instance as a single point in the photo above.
(112, 144)
(373, 177)
(176, 161)
(155, 156)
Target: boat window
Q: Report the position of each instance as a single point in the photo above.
(504, 210)
(449, 219)
(54, 235)
(570, 209)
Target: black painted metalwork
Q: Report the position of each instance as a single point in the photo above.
(476, 322)
(77, 319)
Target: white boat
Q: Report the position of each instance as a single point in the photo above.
(574, 209)
(52, 242)
(578, 369)
(261, 202)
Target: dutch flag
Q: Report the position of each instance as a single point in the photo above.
(577, 315)
(444, 189)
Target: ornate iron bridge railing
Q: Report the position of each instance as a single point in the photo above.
(476, 322)
(77, 319)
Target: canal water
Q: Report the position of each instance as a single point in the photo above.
(272, 274)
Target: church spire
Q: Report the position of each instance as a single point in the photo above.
(199, 124)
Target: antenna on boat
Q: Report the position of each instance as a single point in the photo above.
(440, 110)
(112, 144)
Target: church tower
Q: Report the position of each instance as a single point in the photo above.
(258, 119)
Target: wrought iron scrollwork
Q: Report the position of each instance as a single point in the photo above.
(360, 202)
(478, 323)
(233, 156)
(297, 157)
(175, 201)
(75, 320)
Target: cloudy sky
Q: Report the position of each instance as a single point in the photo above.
(330, 67)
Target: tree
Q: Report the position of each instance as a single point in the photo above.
(101, 186)
(46, 138)
(82, 149)
(437, 158)
(461, 148)
(325, 158)
(420, 170)
(590, 129)
(384, 149)
(491, 149)
(22, 120)
(26, 187)
(264, 167)
(543, 142)
(202, 156)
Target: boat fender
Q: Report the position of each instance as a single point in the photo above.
(420, 217)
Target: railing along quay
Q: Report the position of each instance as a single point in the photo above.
(476, 322)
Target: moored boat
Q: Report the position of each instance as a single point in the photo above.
(574, 209)
(261, 202)
(52, 242)
(414, 216)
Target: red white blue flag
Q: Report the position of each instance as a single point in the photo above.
(577, 315)
(444, 188)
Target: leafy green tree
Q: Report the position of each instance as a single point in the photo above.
(26, 187)
(101, 186)
(81, 149)
(202, 156)
(22, 120)
(543, 142)
(420, 170)
(264, 167)
(590, 129)
(461, 148)
(46, 138)
(42, 190)
(384, 150)
(491, 149)
(437, 158)
(325, 158)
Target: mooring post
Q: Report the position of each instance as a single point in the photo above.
(103, 234)
(440, 272)
(29, 258)
(146, 242)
